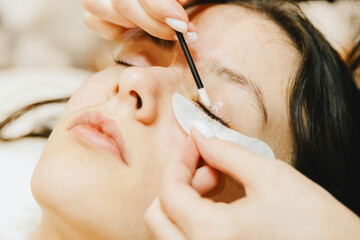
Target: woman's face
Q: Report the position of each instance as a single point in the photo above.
(89, 186)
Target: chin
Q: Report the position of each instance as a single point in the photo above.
(76, 208)
(85, 198)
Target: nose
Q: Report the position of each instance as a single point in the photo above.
(145, 90)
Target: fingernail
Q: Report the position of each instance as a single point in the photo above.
(175, 37)
(191, 27)
(191, 37)
(202, 128)
(177, 25)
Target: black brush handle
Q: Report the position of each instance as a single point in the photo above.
(189, 60)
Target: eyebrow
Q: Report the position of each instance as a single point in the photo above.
(239, 78)
(220, 70)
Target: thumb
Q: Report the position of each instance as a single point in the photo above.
(232, 159)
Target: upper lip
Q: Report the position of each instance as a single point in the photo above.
(103, 124)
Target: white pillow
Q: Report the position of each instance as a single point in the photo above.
(19, 213)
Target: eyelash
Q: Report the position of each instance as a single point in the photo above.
(212, 115)
(123, 62)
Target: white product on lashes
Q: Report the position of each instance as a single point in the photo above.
(217, 106)
(187, 113)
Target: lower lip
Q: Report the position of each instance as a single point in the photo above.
(96, 139)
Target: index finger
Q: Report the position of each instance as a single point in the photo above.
(183, 204)
(162, 9)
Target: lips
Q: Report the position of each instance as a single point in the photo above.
(100, 132)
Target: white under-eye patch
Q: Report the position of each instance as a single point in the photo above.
(187, 113)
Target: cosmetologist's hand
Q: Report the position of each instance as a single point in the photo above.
(111, 18)
(280, 202)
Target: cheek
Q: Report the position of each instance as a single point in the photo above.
(68, 174)
(92, 92)
(90, 191)
(164, 146)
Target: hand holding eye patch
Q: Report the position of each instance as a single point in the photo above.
(280, 203)
(111, 18)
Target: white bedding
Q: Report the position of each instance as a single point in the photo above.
(19, 212)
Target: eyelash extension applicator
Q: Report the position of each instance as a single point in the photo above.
(201, 90)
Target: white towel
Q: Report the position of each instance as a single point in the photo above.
(19, 213)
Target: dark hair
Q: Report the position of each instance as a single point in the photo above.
(324, 104)
(40, 131)
(353, 61)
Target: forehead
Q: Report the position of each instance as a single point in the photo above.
(235, 35)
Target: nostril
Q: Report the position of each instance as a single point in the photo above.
(113, 92)
(116, 89)
(138, 99)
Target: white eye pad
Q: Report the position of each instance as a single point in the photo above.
(186, 113)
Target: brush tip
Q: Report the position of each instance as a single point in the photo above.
(204, 97)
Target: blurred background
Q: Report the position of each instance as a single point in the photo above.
(40, 33)
(47, 52)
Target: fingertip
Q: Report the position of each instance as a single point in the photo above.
(176, 10)
(104, 29)
(202, 129)
(165, 9)
(201, 137)
(88, 19)
(195, 134)
(151, 210)
(197, 137)
(192, 27)
(205, 179)
(177, 24)
(182, 2)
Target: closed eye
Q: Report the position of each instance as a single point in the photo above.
(212, 115)
(122, 62)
